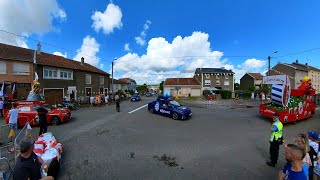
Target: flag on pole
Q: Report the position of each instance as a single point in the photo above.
(2, 90)
(29, 127)
(11, 133)
(36, 77)
(14, 88)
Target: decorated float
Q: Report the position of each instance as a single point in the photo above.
(291, 104)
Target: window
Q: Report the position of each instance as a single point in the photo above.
(207, 82)
(218, 82)
(101, 80)
(226, 76)
(217, 77)
(66, 74)
(88, 79)
(88, 91)
(3, 69)
(50, 74)
(101, 89)
(207, 76)
(226, 83)
(21, 68)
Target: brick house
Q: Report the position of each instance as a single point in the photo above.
(132, 84)
(251, 80)
(219, 78)
(16, 67)
(183, 87)
(59, 77)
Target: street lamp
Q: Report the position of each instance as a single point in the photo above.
(112, 75)
(269, 58)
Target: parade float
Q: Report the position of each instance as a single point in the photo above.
(291, 104)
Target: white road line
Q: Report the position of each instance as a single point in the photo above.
(132, 129)
(138, 109)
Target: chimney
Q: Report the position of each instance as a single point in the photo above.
(297, 61)
(82, 61)
(39, 48)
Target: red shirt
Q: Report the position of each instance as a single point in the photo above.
(209, 98)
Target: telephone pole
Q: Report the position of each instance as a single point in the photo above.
(112, 75)
(269, 58)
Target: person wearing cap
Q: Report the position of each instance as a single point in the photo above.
(28, 164)
(276, 140)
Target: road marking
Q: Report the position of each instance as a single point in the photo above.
(132, 129)
(138, 109)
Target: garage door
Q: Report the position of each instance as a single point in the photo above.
(195, 92)
(53, 96)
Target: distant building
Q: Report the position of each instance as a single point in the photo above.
(251, 80)
(183, 87)
(132, 84)
(119, 85)
(219, 78)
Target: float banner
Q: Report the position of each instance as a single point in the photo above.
(277, 79)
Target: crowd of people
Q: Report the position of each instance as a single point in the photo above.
(302, 156)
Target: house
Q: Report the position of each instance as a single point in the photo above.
(59, 77)
(16, 67)
(119, 85)
(251, 80)
(183, 87)
(155, 88)
(219, 78)
(313, 74)
(132, 84)
(295, 72)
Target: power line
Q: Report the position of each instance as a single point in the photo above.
(300, 52)
(49, 44)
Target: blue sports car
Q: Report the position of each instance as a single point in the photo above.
(170, 108)
(135, 97)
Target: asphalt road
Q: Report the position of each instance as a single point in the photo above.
(216, 143)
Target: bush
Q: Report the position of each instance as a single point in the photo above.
(121, 92)
(225, 94)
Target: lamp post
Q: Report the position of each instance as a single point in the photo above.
(112, 75)
(269, 58)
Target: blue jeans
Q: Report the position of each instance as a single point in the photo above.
(13, 126)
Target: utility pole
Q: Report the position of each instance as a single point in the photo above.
(269, 58)
(112, 78)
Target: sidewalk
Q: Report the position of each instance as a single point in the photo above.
(223, 103)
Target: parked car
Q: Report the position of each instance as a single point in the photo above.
(28, 113)
(135, 97)
(148, 94)
(170, 108)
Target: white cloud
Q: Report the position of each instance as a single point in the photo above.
(142, 38)
(107, 20)
(178, 58)
(89, 49)
(140, 41)
(127, 47)
(60, 54)
(25, 17)
(101, 66)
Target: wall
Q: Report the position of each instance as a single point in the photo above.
(222, 79)
(315, 79)
(284, 69)
(246, 82)
(298, 77)
(183, 92)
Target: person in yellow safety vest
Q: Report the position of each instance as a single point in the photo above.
(276, 140)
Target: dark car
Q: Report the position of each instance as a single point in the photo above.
(135, 97)
(170, 108)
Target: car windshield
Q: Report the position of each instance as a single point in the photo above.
(49, 107)
(175, 103)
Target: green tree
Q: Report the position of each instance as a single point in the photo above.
(161, 86)
(252, 88)
(236, 86)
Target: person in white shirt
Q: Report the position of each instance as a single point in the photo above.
(106, 98)
(91, 101)
(13, 113)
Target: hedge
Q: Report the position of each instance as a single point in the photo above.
(225, 94)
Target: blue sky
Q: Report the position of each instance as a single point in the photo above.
(178, 36)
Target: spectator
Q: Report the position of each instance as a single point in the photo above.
(313, 142)
(28, 164)
(91, 99)
(209, 100)
(106, 98)
(1, 107)
(293, 170)
(302, 142)
(252, 95)
(42, 113)
(117, 99)
(13, 113)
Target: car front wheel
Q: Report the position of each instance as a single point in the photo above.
(175, 116)
(151, 110)
(55, 120)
